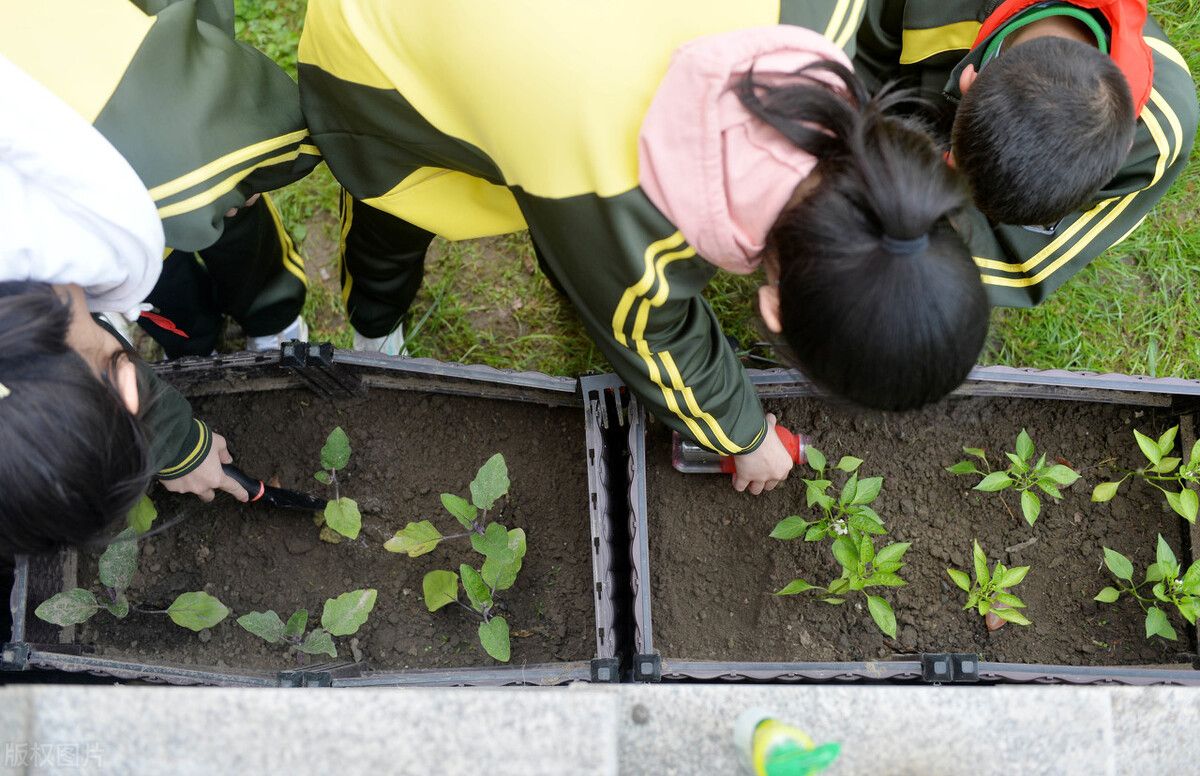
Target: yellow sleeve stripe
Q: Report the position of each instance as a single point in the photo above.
(852, 23)
(836, 18)
(1172, 121)
(224, 163)
(292, 261)
(310, 149)
(201, 444)
(919, 45)
(218, 190)
(347, 220)
(657, 256)
(1168, 51)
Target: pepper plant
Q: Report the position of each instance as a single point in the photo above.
(1022, 475)
(194, 611)
(1167, 586)
(1165, 468)
(341, 514)
(989, 594)
(342, 616)
(848, 514)
(502, 549)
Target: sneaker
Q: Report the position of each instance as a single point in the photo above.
(297, 330)
(391, 345)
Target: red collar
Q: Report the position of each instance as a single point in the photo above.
(1127, 46)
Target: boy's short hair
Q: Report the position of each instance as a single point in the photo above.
(1042, 129)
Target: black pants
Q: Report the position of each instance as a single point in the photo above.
(253, 274)
(383, 263)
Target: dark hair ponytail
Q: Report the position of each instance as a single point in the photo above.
(880, 300)
(73, 459)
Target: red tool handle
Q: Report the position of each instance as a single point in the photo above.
(793, 443)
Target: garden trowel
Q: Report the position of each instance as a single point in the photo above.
(276, 497)
(691, 458)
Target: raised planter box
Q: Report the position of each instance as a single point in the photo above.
(417, 428)
(703, 568)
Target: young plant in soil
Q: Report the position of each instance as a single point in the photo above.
(1165, 468)
(342, 616)
(195, 611)
(989, 594)
(341, 517)
(849, 514)
(1167, 587)
(1022, 475)
(502, 550)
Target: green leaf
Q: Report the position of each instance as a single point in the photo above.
(118, 608)
(1164, 556)
(1024, 445)
(885, 579)
(197, 611)
(1105, 491)
(490, 483)
(961, 579)
(985, 607)
(963, 467)
(1190, 609)
(849, 463)
(796, 586)
(1107, 595)
(1011, 577)
(416, 539)
(815, 492)
(1062, 475)
(866, 550)
(1031, 506)
(493, 543)
(1018, 466)
(833, 600)
(1194, 458)
(789, 528)
(345, 614)
(1189, 505)
(1118, 564)
(1155, 573)
(464, 511)
(296, 624)
(266, 625)
(891, 553)
(1008, 599)
(142, 516)
(69, 607)
(980, 561)
(994, 482)
(1050, 489)
(477, 590)
(849, 490)
(839, 586)
(816, 459)
(1166, 442)
(1191, 579)
(882, 614)
(440, 588)
(1011, 615)
(1157, 624)
(501, 569)
(815, 533)
(335, 454)
(1166, 465)
(322, 477)
(318, 642)
(866, 525)
(1149, 447)
(868, 490)
(120, 560)
(493, 635)
(977, 452)
(343, 516)
(845, 552)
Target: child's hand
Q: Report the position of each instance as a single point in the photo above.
(207, 478)
(764, 468)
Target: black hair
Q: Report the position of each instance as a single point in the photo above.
(1042, 129)
(880, 300)
(73, 459)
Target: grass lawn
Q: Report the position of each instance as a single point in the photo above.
(1134, 310)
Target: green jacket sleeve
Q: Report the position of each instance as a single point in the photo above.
(637, 286)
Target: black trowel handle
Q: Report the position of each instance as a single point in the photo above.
(254, 488)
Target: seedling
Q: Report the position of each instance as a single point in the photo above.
(342, 616)
(195, 611)
(1162, 467)
(850, 514)
(142, 516)
(501, 548)
(1167, 587)
(341, 513)
(862, 568)
(1022, 475)
(989, 594)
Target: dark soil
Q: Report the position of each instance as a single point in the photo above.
(714, 567)
(407, 449)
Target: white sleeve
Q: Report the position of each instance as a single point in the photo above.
(72, 210)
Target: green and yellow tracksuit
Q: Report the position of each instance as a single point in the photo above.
(930, 42)
(468, 119)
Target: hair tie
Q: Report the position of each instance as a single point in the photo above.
(905, 247)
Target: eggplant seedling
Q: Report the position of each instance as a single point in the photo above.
(849, 514)
(341, 514)
(1163, 467)
(194, 611)
(502, 550)
(989, 594)
(342, 616)
(1167, 587)
(1022, 475)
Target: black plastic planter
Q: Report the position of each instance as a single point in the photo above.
(1174, 399)
(38, 645)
